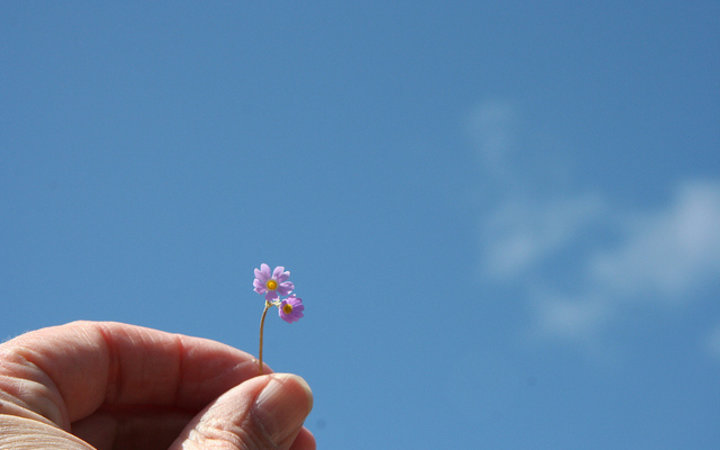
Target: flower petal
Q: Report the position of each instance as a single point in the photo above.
(286, 317)
(285, 288)
(271, 295)
(265, 269)
(259, 286)
(277, 272)
(283, 276)
(262, 274)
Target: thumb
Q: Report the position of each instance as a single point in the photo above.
(263, 412)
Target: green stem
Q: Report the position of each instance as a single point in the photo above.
(262, 325)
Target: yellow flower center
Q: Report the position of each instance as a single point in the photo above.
(271, 284)
(287, 308)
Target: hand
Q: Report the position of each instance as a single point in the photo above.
(112, 385)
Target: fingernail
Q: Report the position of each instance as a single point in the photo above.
(282, 406)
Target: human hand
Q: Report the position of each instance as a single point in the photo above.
(113, 385)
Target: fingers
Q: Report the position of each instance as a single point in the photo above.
(304, 441)
(139, 430)
(67, 372)
(265, 412)
(96, 375)
(19, 433)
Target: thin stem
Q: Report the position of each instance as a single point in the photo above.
(262, 325)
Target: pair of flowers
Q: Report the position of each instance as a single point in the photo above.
(274, 285)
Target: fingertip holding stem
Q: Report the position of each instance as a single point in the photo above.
(262, 412)
(281, 408)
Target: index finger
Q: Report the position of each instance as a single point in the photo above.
(65, 373)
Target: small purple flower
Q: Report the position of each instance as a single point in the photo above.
(272, 284)
(291, 309)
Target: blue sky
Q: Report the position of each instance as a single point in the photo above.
(502, 216)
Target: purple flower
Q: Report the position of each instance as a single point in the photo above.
(291, 309)
(272, 284)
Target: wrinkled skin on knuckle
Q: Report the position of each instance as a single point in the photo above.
(221, 435)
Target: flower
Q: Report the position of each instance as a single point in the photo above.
(272, 284)
(291, 309)
(275, 285)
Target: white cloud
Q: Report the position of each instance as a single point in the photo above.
(664, 256)
(572, 318)
(522, 234)
(490, 125)
(657, 255)
(667, 253)
(712, 342)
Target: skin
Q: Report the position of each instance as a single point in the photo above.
(111, 385)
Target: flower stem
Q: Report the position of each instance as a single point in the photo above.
(262, 325)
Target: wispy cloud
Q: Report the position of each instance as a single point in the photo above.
(662, 254)
(712, 342)
(490, 126)
(571, 317)
(521, 234)
(666, 253)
